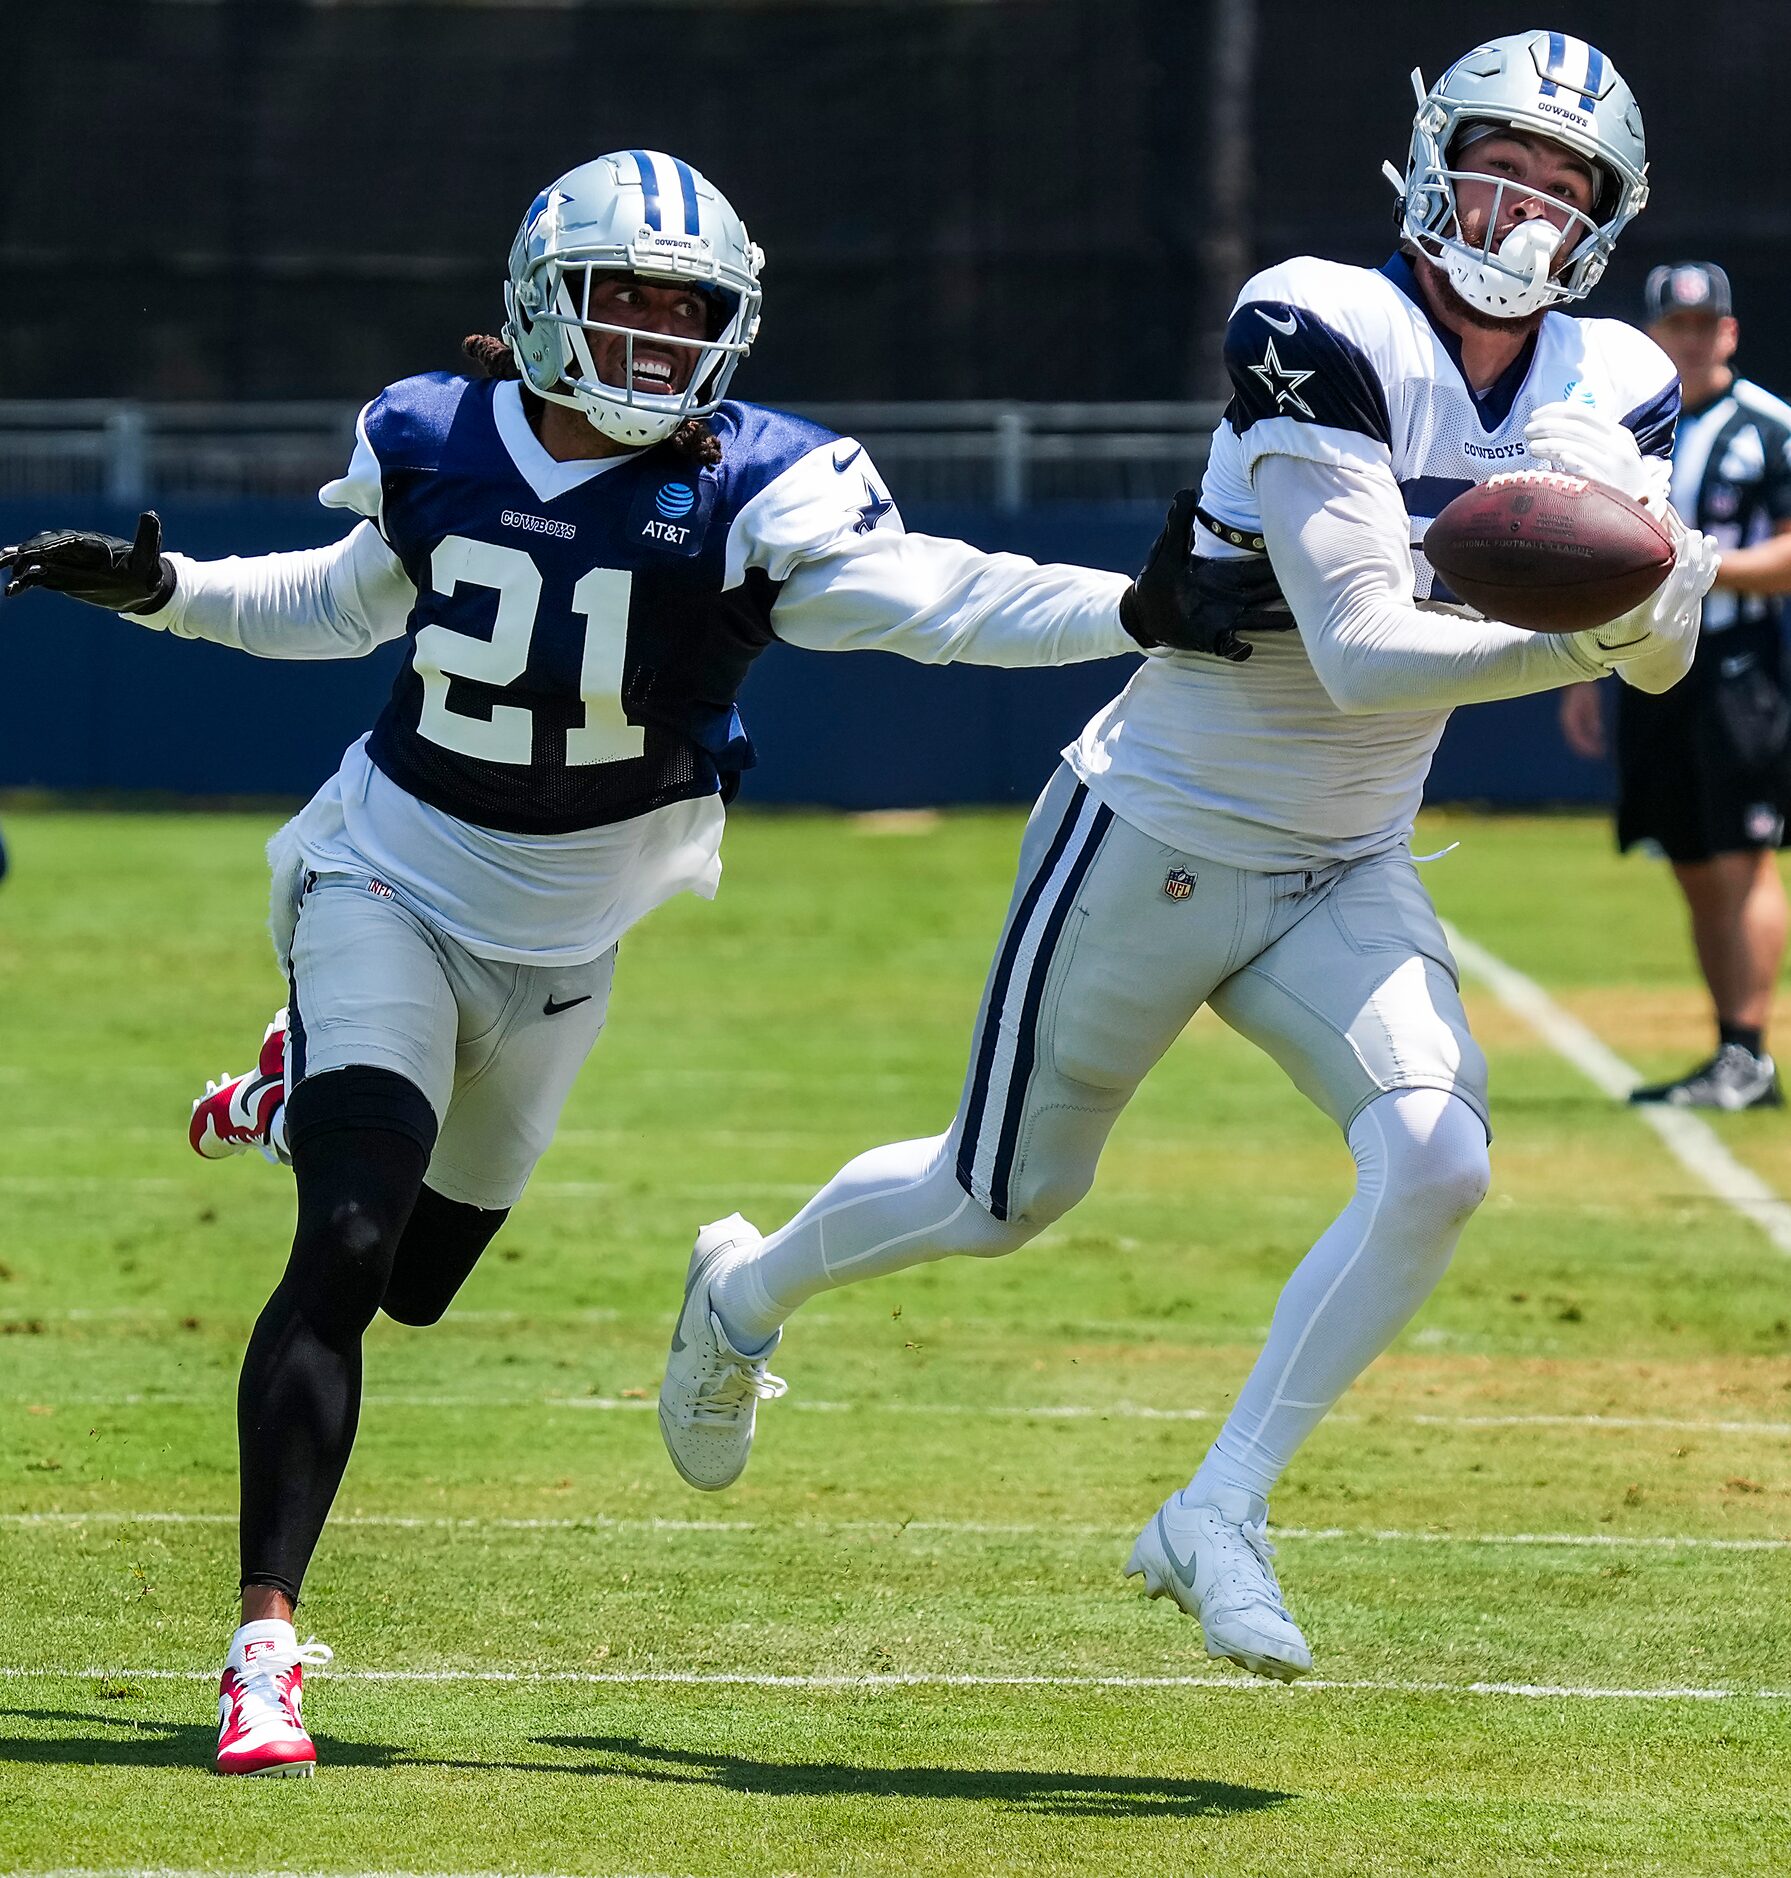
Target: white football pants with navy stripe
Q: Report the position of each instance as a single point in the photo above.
(1113, 941)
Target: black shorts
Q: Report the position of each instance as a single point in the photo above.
(1705, 768)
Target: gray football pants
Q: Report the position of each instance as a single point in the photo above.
(1112, 942)
(496, 1047)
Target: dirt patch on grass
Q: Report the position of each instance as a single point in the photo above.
(1645, 1020)
(1729, 1388)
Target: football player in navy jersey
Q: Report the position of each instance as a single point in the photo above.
(584, 554)
(1234, 830)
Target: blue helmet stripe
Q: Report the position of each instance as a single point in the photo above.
(649, 176)
(687, 184)
(1594, 76)
(1557, 64)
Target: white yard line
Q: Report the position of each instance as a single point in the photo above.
(996, 1411)
(1690, 1140)
(895, 1527)
(728, 1679)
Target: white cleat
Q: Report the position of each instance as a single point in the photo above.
(261, 1722)
(1213, 1560)
(711, 1392)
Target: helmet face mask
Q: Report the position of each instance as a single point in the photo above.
(1542, 85)
(1536, 264)
(608, 218)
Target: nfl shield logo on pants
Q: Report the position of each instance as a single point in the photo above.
(1178, 883)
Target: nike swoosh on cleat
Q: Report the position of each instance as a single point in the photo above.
(1183, 1568)
(847, 463)
(679, 1341)
(1290, 324)
(551, 1009)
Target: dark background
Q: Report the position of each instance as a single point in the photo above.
(280, 198)
(958, 198)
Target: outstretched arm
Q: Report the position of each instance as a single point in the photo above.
(941, 601)
(320, 603)
(851, 578)
(1338, 536)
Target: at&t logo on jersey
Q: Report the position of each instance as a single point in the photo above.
(673, 518)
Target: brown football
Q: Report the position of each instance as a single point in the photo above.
(1549, 552)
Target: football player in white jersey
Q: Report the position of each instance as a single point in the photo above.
(1233, 830)
(584, 553)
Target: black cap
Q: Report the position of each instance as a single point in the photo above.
(1688, 287)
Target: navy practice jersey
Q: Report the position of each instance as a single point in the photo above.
(571, 661)
(553, 758)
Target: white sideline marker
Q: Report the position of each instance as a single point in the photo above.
(1690, 1140)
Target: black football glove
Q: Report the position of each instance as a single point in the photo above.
(126, 576)
(1195, 605)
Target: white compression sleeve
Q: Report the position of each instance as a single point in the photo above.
(894, 1207)
(1340, 542)
(1421, 1171)
(337, 602)
(940, 601)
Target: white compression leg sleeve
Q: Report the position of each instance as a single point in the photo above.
(1421, 1170)
(894, 1207)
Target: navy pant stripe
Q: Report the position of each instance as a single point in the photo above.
(1026, 1051)
(295, 1023)
(1004, 971)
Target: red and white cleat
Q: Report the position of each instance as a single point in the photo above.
(261, 1723)
(245, 1111)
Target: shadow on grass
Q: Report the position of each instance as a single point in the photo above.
(127, 1741)
(1032, 1790)
(138, 1741)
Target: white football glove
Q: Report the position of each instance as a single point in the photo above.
(1652, 646)
(1584, 442)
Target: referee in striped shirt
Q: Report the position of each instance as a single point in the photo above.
(1704, 770)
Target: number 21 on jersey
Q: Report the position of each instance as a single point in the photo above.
(441, 655)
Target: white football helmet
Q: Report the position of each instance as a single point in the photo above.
(637, 212)
(1555, 86)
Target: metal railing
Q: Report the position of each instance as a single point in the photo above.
(1008, 456)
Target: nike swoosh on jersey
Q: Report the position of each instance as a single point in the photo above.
(1288, 325)
(846, 463)
(550, 1009)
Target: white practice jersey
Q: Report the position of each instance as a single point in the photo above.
(1349, 400)
(544, 777)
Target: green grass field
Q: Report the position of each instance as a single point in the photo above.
(903, 1643)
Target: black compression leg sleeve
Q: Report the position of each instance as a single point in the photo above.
(360, 1141)
(440, 1247)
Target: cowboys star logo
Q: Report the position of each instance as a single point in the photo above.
(1283, 382)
